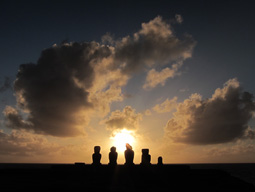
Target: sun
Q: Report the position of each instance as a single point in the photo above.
(122, 137)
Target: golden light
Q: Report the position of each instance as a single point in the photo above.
(122, 137)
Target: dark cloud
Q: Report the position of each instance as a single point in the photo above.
(6, 85)
(73, 81)
(222, 118)
(55, 90)
(15, 120)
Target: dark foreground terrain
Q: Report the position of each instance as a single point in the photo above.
(81, 177)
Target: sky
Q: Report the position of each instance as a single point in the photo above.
(175, 77)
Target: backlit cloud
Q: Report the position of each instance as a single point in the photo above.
(154, 77)
(54, 92)
(166, 106)
(222, 118)
(127, 118)
(22, 143)
(155, 44)
(72, 82)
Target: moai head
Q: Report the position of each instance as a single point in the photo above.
(113, 149)
(145, 151)
(129, 147)
(160, 160)
(97, 149)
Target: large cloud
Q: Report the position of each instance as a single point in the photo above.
(54, 92)
(73, 81)
(222, 118)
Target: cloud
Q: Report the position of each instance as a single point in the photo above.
(155, 44)
(154, 77)
(127, 118)
(166, 106)
(178, 18)
(54, 92)
(24, 146)
(6, 85)
(14, 119)
(220, 119)
(240, 149)
(184, 90)
(147, 112)
(22, 143)
(73, 82)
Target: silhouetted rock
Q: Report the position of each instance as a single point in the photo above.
(113, 155)
(146, 158)
(129, 155)
(96, 157)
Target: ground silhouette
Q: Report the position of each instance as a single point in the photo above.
(82, 177)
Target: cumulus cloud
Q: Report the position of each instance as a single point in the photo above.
(220, 119)
(154, 77)
(166, 106)
(54, 92)
(154, 44)
(127, 118)
(72, 82)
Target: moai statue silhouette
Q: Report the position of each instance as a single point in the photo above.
(96, 157)
(160, 161)
(146, 157)
(129, 155)
(113, 155)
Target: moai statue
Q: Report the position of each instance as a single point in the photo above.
(113, 155)
(160, 161)
(129, 155)
(96, 157)
(146, 157)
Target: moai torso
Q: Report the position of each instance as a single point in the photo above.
(129, 155)
(96, 157)
(113, 155)
(146, 158)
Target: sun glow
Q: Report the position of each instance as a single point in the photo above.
(122, 137)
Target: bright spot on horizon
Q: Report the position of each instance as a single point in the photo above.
(122, 137)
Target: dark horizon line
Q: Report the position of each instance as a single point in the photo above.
(1, 163)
